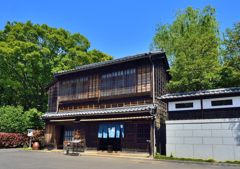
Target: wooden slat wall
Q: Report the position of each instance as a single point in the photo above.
(161, 79)
(136, 134)
(49, 134)
(106, 104)
(112, 83)
(148, 79)
(92, 136)
(79, 88)
(52, 98)
(127, 81)
(93, 86)
(139, 76)
(118, 82)
(144, 78)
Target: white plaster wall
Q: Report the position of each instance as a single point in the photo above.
(203, 139)
(196, 105)
(207, 103)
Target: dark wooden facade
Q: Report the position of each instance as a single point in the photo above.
(124, 84)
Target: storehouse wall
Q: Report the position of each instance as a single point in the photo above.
(218, 139)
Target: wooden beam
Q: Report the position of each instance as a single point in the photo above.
(125, 96)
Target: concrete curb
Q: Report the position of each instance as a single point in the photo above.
(200, 163)
(129, 157)
(42, 151)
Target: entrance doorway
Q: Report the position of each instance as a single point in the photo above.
(109, 136)
(60, 134)
(110, 144)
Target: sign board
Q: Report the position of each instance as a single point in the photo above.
(30, 132)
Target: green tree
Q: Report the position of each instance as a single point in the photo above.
(30, 54)
(191, 43)
(230, 71)
(15, 120)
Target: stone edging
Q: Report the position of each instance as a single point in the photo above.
(201, 163)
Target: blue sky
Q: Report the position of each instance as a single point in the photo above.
(116, 27)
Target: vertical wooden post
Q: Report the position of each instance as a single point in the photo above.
(151, 138)
(154, 138)
(55, 137)
(57, 108)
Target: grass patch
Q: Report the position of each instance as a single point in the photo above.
(158, 156)
(230, 162)
(27, 148)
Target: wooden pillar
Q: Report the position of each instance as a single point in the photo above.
(55, 135)
(57, 106)
(152, 137)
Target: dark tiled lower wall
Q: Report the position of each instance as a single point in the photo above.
(205, 114)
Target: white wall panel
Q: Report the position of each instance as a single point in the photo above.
(207, 103)
(196, 105)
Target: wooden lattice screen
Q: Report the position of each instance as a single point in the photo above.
(76, 88)
(119, 82)
(93, 86)
(112, 83)
(161, 80)
(52, 98)
(144, 78)
(136, 136)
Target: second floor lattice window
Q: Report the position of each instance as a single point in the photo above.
(118, 82)
(74, 89)
(113, 83)
(144, 77)
(52, 98)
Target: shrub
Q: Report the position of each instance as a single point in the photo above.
(211, 160)
(16, 120)
(10, 140)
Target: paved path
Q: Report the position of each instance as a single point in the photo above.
(22, 159)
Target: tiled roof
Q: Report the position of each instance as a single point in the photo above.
(109, 62)
(99, 111)
(201, 93)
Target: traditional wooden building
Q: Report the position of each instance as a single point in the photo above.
(109, 105)
(204, 124)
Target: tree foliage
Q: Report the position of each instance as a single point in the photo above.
(15, 120)
(30, 54)
(230, 71)
(191, 43)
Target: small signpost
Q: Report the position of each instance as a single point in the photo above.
(30, 134)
